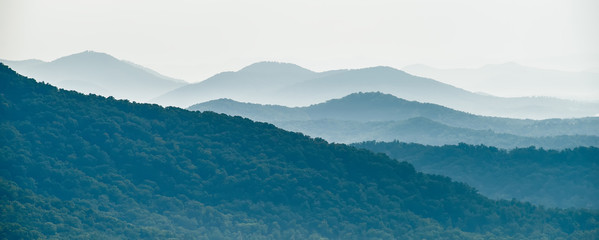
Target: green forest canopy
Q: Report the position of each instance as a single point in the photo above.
(85, 166)
(566, 178)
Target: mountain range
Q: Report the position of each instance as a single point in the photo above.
(383, 117)
(88, 167)
(98, 73)
(290, 85)
(512, 80)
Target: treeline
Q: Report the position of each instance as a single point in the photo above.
(566, 178)
(82, 166)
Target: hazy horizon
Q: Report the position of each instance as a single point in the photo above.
(195, 40)
(477, 80)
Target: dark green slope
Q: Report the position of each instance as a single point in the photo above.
(566, 178)
(77, 166)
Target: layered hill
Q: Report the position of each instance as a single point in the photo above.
(426, 131)
(291, 85)
(383, 117)
(98, 73)
(81, 167)
(255, 83)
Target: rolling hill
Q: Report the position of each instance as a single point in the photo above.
(255, 83)
(83, 166)
(383, 117)
(290, 85)
(98, 73)
(426, 131)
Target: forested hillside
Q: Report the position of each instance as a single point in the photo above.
(87, 167)
(566, 178)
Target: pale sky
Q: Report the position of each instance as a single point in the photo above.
(193, 40)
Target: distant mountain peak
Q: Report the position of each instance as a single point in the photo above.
(275, 67)
(382, 68)
(363, 95)
(87, 56)
(373, 99)
(99, 73)
(385, 70)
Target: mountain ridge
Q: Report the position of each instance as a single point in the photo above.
(515, 80)
(315, 87)
(274, 67)
(292, 85)
(377, 106)
(82, 71)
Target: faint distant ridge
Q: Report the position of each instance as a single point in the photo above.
(23, 63)
(98, 73)
(290, 85)
(275, 68)
(86, 57)
(157, 74)
(515, 80)
(258, 82)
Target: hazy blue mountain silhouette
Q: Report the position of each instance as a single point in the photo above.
(512, 79)
(98, 73)
(254, 83)
(383, 79)
(425, 131)
(383, 117)
(380, 107)
(291, 85)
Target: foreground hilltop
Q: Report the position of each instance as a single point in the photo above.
(82, 166)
